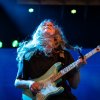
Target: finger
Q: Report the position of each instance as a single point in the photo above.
(85, 62)
(34, 88)
(41, 85)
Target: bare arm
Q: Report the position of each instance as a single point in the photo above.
(75, 79)
(29, 84)
(23, 84)
(19, 81)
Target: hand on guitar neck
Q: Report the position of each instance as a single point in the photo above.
(81, 61)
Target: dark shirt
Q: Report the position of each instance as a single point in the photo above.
(39, 64)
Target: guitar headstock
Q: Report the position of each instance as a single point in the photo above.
(98, 48)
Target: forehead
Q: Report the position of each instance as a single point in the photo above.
(49, 23)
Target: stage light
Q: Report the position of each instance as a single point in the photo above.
(15, 43)
(1, 44)
(30, 10)
(73, 11)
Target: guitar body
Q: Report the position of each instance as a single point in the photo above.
(50, 87)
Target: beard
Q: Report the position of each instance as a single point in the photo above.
(50, 44)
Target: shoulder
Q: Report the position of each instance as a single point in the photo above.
(31, 52)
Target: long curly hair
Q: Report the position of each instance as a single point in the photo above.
(40, 42)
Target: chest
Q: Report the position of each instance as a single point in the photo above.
(41, 64)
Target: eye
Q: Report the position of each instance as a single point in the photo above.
(50, 25)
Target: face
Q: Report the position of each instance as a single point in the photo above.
(48, 28)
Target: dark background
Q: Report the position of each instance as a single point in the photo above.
(82, 28)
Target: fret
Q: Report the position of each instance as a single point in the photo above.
(90, 53)
(68, 68)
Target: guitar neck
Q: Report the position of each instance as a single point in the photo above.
(72, 66)
(91, 53)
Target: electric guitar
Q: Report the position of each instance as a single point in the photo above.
(52, 77)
